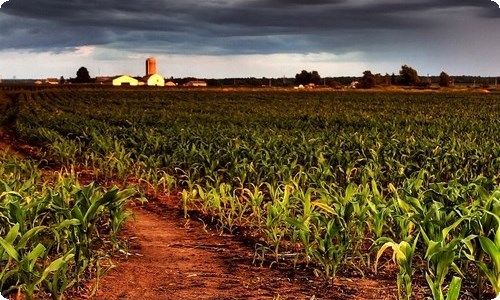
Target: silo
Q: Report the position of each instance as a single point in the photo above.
(150, 66)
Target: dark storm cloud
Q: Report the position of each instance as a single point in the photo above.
(221, 27)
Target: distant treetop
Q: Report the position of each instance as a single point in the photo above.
(82, 76)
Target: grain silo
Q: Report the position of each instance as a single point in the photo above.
(150, 66)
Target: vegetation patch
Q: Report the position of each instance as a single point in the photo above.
(335, 181)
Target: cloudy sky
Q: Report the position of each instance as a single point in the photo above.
(245, 38)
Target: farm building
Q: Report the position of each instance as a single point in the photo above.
(170, 83)
(150, 79)
(52, 81)
(154, 80)
(104, 79)
(197, 83)
(150, 66)
(125, 80)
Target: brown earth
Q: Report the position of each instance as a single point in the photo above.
(6, 143)
(176, 258)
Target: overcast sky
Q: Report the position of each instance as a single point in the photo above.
(248, 38)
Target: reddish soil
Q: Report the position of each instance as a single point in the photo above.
(6, 143)
(16, 148)
(176, 258)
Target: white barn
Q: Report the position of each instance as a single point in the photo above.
(125, 80)
(154, 80)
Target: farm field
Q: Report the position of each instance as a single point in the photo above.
(343, 185)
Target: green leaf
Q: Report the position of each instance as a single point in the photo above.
(350, 192)
(109, 197)
(56, 265)
(443, 265)
(28, 235)
(298, 224)
(375, 190)
(447, 230)
(436, 292)
(454, 289)
(497, 237)
(10, 193)
(324, 207)
(493, 251)
(381, 251)
(9, 248)
(68, 223)
(414, 202)
(432, 249)
(31, 258)
(468, 244)
(76, 212)
(12, 234)
(125, 194)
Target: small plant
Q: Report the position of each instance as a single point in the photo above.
(403, 257)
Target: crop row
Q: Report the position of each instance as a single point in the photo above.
(328, 179)
(54, 233)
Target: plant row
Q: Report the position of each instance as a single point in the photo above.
(328, 179)
(55, 235)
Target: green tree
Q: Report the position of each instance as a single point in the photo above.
(409, 76)
(305, 78)
(444, 79)
(393, 79)
(82, 76)
(368, 81)
(315, 78)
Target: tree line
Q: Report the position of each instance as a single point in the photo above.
(407, 76)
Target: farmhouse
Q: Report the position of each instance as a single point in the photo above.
(196, 83)
(52, 81)
(125, 80)
(154, 80)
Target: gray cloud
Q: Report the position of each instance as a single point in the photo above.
(221, 27)
(64, 23)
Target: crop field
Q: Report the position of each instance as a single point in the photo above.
(339, 182)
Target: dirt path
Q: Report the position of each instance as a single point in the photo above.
(173, 258)
(176, 259)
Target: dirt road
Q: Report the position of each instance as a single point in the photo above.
(175, 258)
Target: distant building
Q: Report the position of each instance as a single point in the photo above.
(104, 80)
(52, 81)
(150, 66)
(196, 83)
(125, 80)
(154, 80)
(150, 79)
(170, 84)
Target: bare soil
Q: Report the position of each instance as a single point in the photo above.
(176, 258)
(6, 143)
